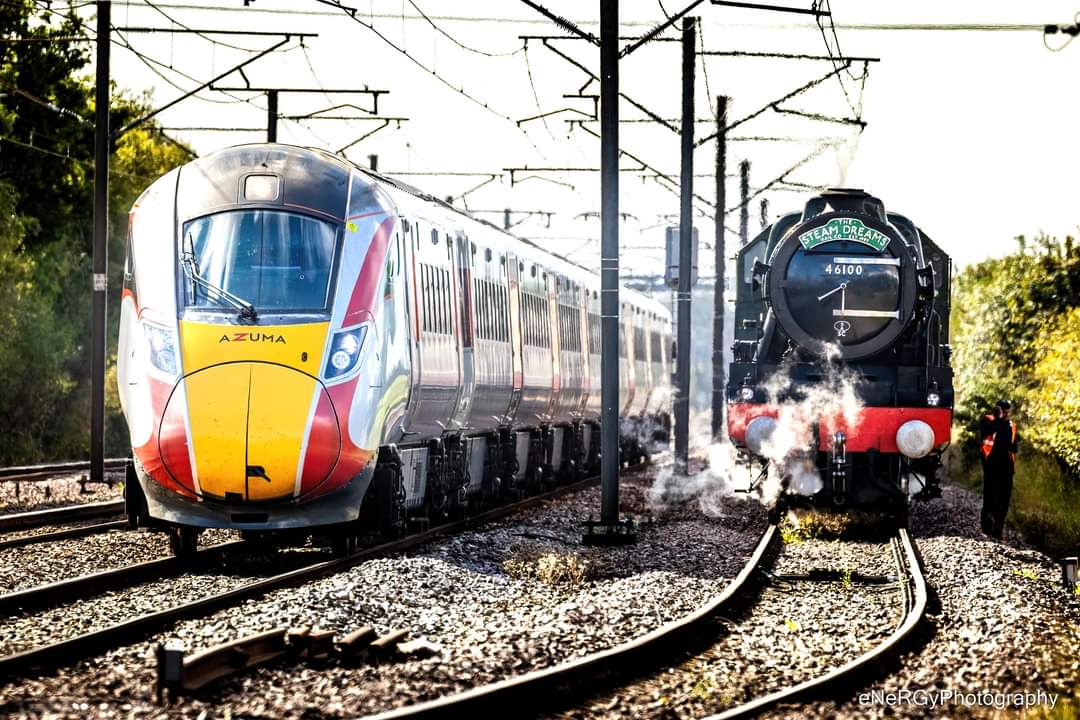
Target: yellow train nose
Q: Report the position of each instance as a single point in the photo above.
(251, 429)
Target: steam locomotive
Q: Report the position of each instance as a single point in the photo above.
(306, 345)
(843, 289)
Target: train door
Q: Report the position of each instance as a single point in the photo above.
(581, 293)
(517, 366)
(463, 281)
(412, 294)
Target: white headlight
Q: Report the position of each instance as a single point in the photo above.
(746, 393)
(340, 359)
(758, 431)
(933, 399)
(350, 343)
(915, 438)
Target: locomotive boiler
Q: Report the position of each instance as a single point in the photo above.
(844, 289)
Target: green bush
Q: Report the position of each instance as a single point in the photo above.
(1001, 312)
(1016, 335)
(1053, 403)
(46, 221)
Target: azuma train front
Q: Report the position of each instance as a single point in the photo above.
(250, 367)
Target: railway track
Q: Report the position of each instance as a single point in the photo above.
(59, 515)
(564, 685)
(78, 588)
(86, 645)
(914, 596)
(48, 470)
(65, 534)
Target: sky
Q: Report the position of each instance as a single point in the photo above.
(969, 133)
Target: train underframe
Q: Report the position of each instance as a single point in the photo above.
(838, 481)
(412, 487)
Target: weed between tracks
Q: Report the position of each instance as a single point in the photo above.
(569, 568)
(799, 528)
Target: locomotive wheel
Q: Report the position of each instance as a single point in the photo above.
(183, 542)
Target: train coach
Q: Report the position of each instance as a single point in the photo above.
(843, 290)
(306, 345)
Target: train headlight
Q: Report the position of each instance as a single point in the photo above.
(933, 399)
(345, 352)
(746, 393)
(915, 438)
(758, 431)
(162, 344)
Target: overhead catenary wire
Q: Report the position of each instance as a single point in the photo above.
(350, 12)
(824, 4)
(121, 40)
(746, 118)
(532, 84)
(204, 36)
(455, 41)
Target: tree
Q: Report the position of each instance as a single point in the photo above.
(46, 202)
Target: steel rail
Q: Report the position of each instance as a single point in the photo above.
(84, 586)
(41, 472)
(502, 694)
(68, 534)
(54, 516)
(71, 650)
(915, 611)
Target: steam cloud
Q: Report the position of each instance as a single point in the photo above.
(833, 400)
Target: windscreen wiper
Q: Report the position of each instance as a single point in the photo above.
(247, 310)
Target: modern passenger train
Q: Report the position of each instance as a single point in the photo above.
(305, 344)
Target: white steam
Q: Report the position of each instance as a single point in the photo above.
(830, 402)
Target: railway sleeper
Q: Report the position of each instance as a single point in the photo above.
(180, 673)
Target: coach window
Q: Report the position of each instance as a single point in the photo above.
(486, 291)
(440, 320)
(426, 314)
(443, 301)
(433, 322)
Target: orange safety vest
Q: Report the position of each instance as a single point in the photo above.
(988, 441)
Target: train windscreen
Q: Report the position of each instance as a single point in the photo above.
(275, 261)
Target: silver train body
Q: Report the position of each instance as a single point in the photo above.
(305, 343)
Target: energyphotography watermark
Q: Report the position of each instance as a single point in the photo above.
(953, 698)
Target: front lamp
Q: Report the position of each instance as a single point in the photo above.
(161, 342)
(345, 352)
(915, 439)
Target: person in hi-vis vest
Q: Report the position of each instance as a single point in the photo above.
(998, 454)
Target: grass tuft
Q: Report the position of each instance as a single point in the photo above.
(572, 569)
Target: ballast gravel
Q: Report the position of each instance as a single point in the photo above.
(504, 599)
(523, 594)
(17, 496)
(46, 562)
(1002, 634)
(793, 630)
(27, 630)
